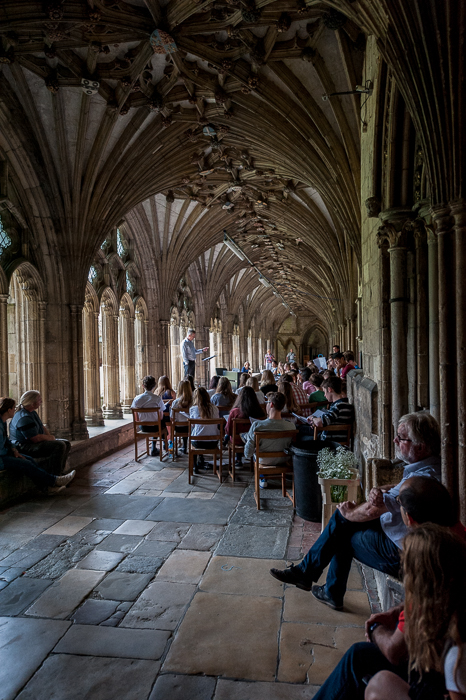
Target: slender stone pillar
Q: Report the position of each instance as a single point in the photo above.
(443, 221)
(78, 421)
(92, 403)
(110, 364)
(163, 345)
(42, 306)
(422, 337)
(434, 385)
(458, 210)
(4, 379)
(127, 360)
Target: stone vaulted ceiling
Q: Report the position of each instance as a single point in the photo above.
(210, 112)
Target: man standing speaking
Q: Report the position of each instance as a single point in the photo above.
(189, 352)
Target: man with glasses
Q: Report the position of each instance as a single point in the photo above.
(373, 532)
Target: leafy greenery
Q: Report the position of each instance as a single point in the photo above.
(336, 464)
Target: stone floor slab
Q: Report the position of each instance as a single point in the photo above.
(104, 525)
(134, 527)
(241, 576)
(113, 642)
(141, 565)
(252, 541)
(202, 537)
(183, 510)
(20, 657)
(99, 560)
(212, 638)
(60, 599)
(122, 586)
(307, 652)
(177, 687)
(171, 532)
(232, 690)
(69, 677)
(154, 548)
(69, 553)
(20, 594)
(160, 606)
(94, 612)
(184, 566)
(68, 526)
(108, 505)
(301, 606)
(119, 543)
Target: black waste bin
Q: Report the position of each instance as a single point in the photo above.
(306, 487)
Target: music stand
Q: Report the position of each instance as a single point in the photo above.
(207, 369)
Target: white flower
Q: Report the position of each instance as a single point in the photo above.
(336, 464)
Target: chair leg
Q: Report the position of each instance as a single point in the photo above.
(220, 466)
(190, 467)
(283, 485)
(256, 486)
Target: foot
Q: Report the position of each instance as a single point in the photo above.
(321, 594)
(154, 452)
(208, 465)
(262, 483)
(65, 478)
(54, 490)
(195, 470)
(293, 576)
(184, 451)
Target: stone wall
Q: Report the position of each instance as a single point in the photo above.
(363, 394)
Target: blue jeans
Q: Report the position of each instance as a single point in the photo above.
(189, 368)
(28, 467)
(361, 660)
(340, 542)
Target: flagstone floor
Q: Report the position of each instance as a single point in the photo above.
(134, 584)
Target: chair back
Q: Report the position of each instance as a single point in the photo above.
(314, 405)
(338, 428)
(277, 435)
(175, 421)
(206, 421)
(151, 418)
(239, 425)
(225, 410)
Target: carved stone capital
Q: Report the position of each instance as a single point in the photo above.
(373, 206)
(397, 224)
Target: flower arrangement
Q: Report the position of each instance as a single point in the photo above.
(337, 464)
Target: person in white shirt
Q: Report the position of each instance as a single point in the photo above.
(254, 382)
(189, 352)
(182, 404)
(203, 408)
(153, 406)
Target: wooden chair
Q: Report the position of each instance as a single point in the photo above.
(215, 451)
(240, 425)
(151, 419)
(174, 424)
(225, 410)
(272, 470)
(314, 405)
(341, 428)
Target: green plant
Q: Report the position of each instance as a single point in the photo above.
(336, 464)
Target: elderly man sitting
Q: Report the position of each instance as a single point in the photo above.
(373, 532)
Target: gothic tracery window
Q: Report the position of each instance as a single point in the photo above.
(5, 240)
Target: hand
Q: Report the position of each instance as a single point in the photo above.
(318, 422)
(386, 619)
(376, 497)
(310, 420)
(347, 508)
(50, 437)
(204, 349)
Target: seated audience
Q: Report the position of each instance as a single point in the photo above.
(30, 436)
(336, 348)
(286, 368)
(299, 394)
(290, 402)
(182, 404)
(224, 396)
(14, 462)
(254, 382)
(422, 500)
(327, 373)
(318, 394)
(306, 384)
(340, 363)
(246, 406)
(243, 378)
(340, 412)
(166, 393)
(281, 369)
(267, 382)
(246, 368)
(275, 368)
(373, 532)
(153, 405)
(213, 385)
(273, 423)
(203, 408)
(294, 366)
(350, 363)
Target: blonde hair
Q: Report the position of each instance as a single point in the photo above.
(201, 399)
(285, 389)
(267, 377)
(29, 398)
(252, 381)
(224, 387)
(163, 385)
(185, 393)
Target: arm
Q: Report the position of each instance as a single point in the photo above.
(361, 514)
(250, 444)
(391, 643)
(42, 438)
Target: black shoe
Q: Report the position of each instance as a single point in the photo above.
(293, 576)
(184, 451)
(195, 470)
(154, 452)
(321, 594)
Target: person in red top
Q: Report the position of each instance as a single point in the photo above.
(422, 499)
(246, 406)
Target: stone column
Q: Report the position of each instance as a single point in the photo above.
(92, 407)
(42, 306)
(110, 364)
(4, 378)
(163, 346)
(458, 210)
(422, 337)
(127, 360)
(434, 386)
(448, 359)
(385, 400)
(78, 421)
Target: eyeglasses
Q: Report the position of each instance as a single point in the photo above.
(402, 439)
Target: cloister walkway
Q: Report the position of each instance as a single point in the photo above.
(133, 584)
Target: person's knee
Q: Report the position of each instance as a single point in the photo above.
(385, 685)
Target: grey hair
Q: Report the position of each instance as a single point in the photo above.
(29, 398)
(191, 330)
(423, 429)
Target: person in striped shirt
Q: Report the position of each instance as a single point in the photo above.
(341, 412)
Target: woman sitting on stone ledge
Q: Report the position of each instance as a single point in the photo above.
(30, 436)
(13, 461)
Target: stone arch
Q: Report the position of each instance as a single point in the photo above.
(91, 357)
(26, 333)
(110, 380)
(126, 352)
(141, 321)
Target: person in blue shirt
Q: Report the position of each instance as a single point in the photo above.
(13, 461)
(189, 352)
(30, 436)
